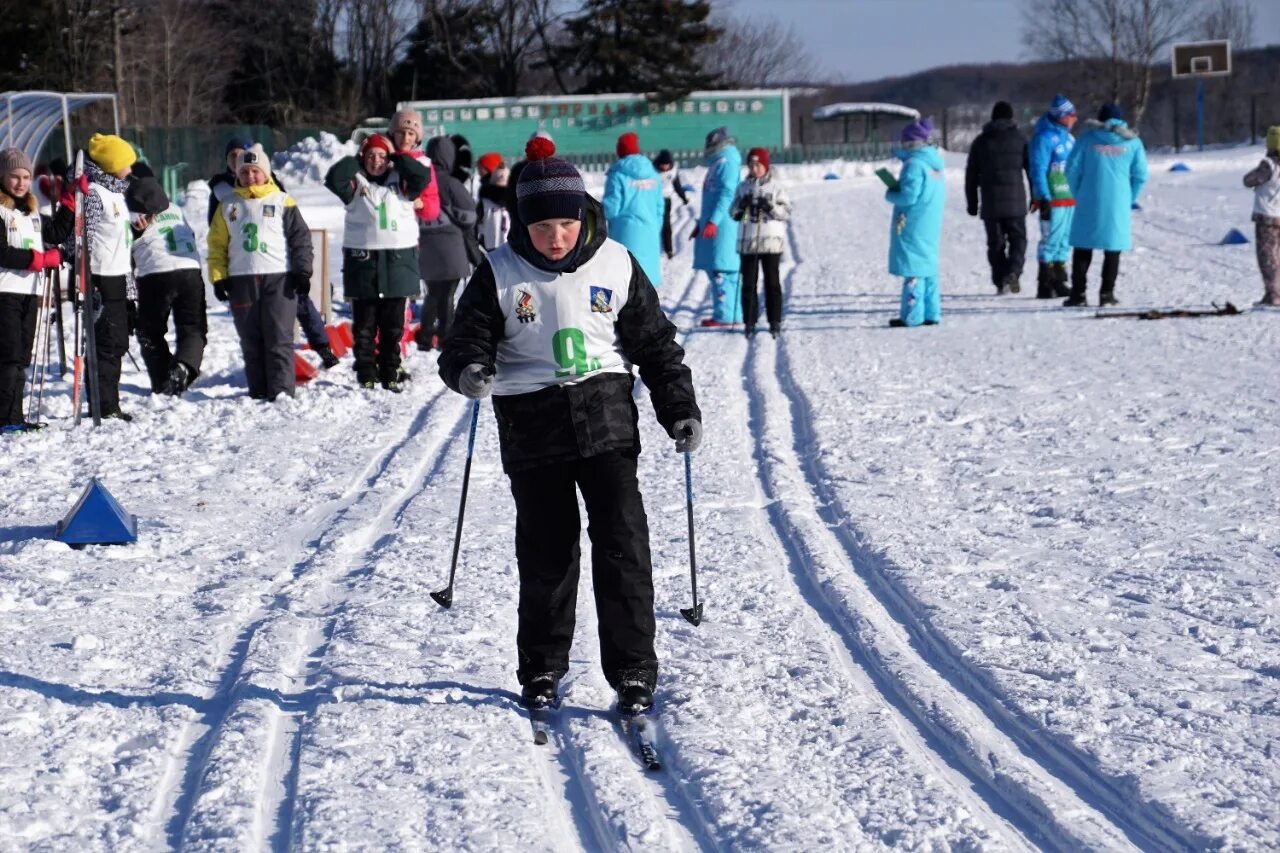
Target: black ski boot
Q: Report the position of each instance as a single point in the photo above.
(179, 379)
(1012, 284)
(1107, 297)
(326, 356)
(1044, 287)
(775, 330)
(1058, 278)
(634, 698)
(540, 691)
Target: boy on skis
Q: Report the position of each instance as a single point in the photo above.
(259, 258)
(166, 261)
(915, 234)
(379, 251)
(551, 324)
(24, 235)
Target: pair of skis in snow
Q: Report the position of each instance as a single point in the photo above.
(639, 730)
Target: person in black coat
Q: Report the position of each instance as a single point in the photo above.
(995, 173)
(550, 324)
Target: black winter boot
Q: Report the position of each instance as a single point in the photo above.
(179, 379)
(1044, 286)
(540, 691)
(1012, 283)
(1110, 272)
(1058, 277)
(327, 357)
(634, 698)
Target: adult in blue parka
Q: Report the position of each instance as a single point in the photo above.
(633, 205)
(915, 234)
(1107, 170)
(715, 247)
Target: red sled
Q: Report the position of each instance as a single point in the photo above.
(303, 370)
(337, 342)
(344, 331)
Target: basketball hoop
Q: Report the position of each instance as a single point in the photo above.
(1201, 59)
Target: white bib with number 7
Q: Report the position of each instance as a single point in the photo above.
(167, 244)
(559, 327)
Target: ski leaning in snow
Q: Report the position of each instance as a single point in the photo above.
(86, 342)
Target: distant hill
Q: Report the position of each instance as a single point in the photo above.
(962, 95)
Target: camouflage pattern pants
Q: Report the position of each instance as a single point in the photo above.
(1269, 260)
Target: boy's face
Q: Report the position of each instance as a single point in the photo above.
(375, 162)
(1069, 121)
(665, 167)
(252, 176)
(17, 182)
(404, 139)
(757, 169)
(555, 238)
(232, 156)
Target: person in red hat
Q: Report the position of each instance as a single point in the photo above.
(633, 205)
(379, 251)
(762, 206)
(494, 219)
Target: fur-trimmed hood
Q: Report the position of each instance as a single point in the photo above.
(1115, 125)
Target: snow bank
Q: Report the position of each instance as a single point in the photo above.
(307, 161)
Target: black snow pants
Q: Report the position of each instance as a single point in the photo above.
(667, 245)
(547, 553)
(381, 318)
(18, 315)
(1006, 247)
(752, 265)
(180, 293)
(112, 335)
(1080, 261)
(437, 312)
(264, 309)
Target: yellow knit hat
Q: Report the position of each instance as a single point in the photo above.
(1273, 138)
(111, 153)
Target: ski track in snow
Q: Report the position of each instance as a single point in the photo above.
(949, 613)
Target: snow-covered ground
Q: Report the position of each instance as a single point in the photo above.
(1008, 582)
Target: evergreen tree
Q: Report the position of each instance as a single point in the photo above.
(649, 46)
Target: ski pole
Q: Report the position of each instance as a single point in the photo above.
(40, 351)
(62, 335)
(692, 614)
(45, 339)
(444, 597)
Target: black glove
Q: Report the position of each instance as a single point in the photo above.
(220, 291)
(131, 317)
(766, 204)
(300, 284)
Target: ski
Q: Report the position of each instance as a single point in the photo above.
(641, 734)
(77, 291)
(1227, 310)
(542, 720)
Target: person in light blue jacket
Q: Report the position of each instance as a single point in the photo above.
(633, 205)
(915, 234)
(715, 247)
(1047, 152)
(1106, 171)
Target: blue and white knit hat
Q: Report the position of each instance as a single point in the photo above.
(1061, 107)
(550, 188)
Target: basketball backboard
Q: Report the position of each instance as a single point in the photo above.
(1202, 59)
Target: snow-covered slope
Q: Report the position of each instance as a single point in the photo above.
(1003, 583)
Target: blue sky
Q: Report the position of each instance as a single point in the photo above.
(866, 39)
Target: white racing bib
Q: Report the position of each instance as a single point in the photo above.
(255, 226)
(168, 244)
(560, 328)
(109, 242)
(21, 231)
(380, 217)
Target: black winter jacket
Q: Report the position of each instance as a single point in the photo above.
(996, 169)
(583, 419)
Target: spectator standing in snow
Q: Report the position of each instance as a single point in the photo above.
(1047, 153)
(633, 205)
(1264, 180)
(442, 246)
(462, 164)
(166, 260)
(495, 221)
(24, 235)
(672, 186)
(260, 256)
(550, 325)
(108, 232)
(995, 174)
(715, 248)
(379, 251)
(762, 207)
(222, 185)
(1106, 172)
(915, 234)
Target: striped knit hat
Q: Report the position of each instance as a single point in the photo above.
(550, 188)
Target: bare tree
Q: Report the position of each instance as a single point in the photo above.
(1228, 19)
(167, 83)
(758, 51)
(1113, 42)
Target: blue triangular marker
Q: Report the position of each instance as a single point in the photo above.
(1234, 238)
(1179, 167)
(1135, 206)
(97, 519)
(830, 176)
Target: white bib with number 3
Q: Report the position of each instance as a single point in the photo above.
(257, 243)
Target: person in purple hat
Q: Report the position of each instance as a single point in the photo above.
(550, 324)
(915, 234)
